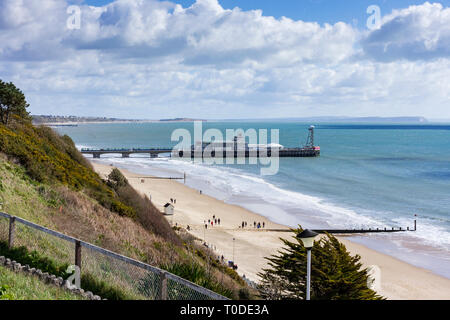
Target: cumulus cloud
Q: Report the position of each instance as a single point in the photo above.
(414, 33)
(136, 58)
(32, 29)
(205, 33)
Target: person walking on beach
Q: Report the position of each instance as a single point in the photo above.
(218, 220)
(243, 224)
(212, 223)
(264, 224)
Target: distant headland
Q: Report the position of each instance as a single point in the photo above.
(55, 120)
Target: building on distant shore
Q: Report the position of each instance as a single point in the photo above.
(168, 209)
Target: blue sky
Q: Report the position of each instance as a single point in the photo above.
(152, 59)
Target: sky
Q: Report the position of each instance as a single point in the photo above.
(228, 59)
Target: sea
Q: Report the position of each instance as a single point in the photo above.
(367, 176)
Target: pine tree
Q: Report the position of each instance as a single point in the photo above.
(335, 274)
(12, 103)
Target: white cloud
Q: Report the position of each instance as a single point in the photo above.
(135, 58)
(414, 33)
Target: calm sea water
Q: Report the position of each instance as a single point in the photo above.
(366, 176)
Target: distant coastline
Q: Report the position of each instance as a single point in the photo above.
(331, 119)
(56, 120)
(52, 120)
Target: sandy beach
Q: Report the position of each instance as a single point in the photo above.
(249, 246)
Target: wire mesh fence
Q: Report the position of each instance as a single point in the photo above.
(180, 289)
(132, 278)
(134, 281)
(4, 228)
(47, 245)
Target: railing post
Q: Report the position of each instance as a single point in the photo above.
(78, 254)
(12, 231)
(162, 293)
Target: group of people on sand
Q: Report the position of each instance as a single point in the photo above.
(172, 200)
(230, 264)
(257, 225)
(212, 222)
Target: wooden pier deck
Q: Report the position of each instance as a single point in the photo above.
(260, 153)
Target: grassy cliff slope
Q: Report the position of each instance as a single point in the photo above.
(44, 179)
(18, 286)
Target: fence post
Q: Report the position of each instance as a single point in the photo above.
(162, 293)
(78, 254)
(12, 231)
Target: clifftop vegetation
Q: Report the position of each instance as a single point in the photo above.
(44, 179)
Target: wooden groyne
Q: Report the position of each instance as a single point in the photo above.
(350, 231)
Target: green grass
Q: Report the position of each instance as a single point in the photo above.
(33, 259)
(105, 289)
(19, 286)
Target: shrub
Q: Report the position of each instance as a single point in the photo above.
(198, 275)
(116, 179)
(139, 207)
(49, 158)
(335, 274)
(244, 294)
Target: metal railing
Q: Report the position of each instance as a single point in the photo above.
(137, 280)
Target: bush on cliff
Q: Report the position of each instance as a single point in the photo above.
(335, 274)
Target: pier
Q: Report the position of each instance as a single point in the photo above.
(231, 149)
(259, 153)
(153, 152)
